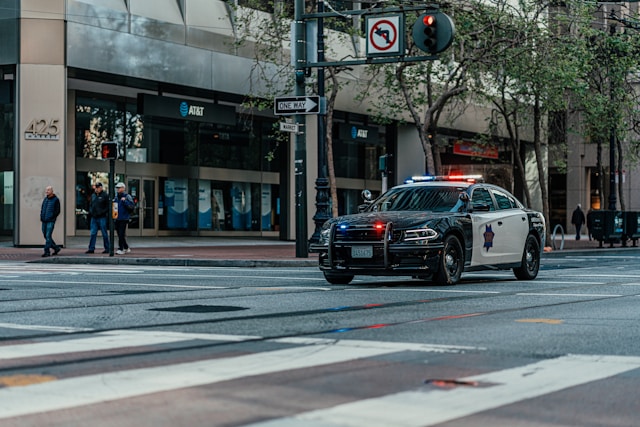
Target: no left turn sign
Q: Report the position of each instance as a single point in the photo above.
(383, 35)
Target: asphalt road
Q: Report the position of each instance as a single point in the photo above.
(107, 345)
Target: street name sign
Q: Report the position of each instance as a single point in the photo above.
(296, 105)
(289, 127)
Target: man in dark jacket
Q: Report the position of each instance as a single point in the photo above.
(48, 214)
(126, 205)
(577, 219)
(99, 208)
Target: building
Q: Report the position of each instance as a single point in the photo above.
(166, 81)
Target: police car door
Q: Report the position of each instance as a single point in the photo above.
(495, 231)
(513, 223)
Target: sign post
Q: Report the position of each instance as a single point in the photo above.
(300, 165)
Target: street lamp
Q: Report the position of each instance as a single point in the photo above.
(322, 183)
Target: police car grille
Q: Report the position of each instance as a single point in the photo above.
(359, 234)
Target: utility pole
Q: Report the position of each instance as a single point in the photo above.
(301, 147)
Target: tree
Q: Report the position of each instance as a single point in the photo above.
(426, 89)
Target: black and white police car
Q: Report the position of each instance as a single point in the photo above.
(433, 229)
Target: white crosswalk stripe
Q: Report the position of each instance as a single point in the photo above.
(417, 407)
(86, 390)
(423, 408)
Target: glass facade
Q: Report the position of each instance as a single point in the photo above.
(184, 201)
(7, 144)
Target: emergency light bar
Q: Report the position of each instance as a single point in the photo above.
(427, 178)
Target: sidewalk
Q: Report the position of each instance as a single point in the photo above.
(172, 251)
(225, 252)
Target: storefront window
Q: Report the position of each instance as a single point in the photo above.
(100, 120)
(7, 127)
(84, 189)
(356, 150)
(206, 205)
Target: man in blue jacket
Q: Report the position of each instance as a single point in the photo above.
(126, 205)
(48, 214)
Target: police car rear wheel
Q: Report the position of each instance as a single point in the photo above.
(530, 265)
(451, 263)
(338, 279)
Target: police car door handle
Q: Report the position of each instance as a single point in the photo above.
(523, 218)
(499, 222)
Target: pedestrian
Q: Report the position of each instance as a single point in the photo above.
(577, 219)
(48, 214)
(125, 207)
(99, 208)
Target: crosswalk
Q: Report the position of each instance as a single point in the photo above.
(413, 407)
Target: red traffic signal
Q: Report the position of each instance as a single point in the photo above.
(430, 32)
(109, 150)
(429, 20)
(433, 32)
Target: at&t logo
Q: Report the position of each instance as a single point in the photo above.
(191, 110)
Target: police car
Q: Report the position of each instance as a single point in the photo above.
(434, 229)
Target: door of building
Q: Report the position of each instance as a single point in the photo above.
(144, 219)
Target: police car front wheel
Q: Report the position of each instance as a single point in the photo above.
(451, 263)
(530, 264)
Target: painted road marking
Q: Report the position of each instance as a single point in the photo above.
(539, 294)
(421, 408)
(91, 389)
(42, 328)
(108, 341)
(130, 339)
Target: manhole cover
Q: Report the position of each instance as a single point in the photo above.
(200, 308)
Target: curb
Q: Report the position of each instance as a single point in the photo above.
(241, 263)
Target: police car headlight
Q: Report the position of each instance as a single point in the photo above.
(325, 232)
(419, 235)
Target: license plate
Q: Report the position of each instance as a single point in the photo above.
(362, 252)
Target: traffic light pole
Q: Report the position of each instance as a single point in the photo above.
(300, 166)
(112, 171)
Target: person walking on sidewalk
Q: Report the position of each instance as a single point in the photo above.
(99, 208)
(48, 214)
(125, 205)
(577, 219)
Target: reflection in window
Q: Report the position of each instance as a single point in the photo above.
(482, 197)
(102, 120)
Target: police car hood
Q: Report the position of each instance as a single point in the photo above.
(400, 219)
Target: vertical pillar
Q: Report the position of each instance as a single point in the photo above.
(41, 118)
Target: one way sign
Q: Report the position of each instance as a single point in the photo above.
(297, 105)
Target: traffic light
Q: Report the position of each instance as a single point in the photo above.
(433, 32)
(430, 31)
(109, 150)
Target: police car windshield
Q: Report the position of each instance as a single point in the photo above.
(433, 199)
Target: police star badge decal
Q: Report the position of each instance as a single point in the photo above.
(488, 237)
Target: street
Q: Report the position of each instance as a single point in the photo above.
(107, 345)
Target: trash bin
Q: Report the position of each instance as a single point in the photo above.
(608, 226)
(631, 227)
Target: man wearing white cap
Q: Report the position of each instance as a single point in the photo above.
(126, 205)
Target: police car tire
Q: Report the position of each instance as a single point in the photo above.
(451, 263)
(530, 265)
(338, 279)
